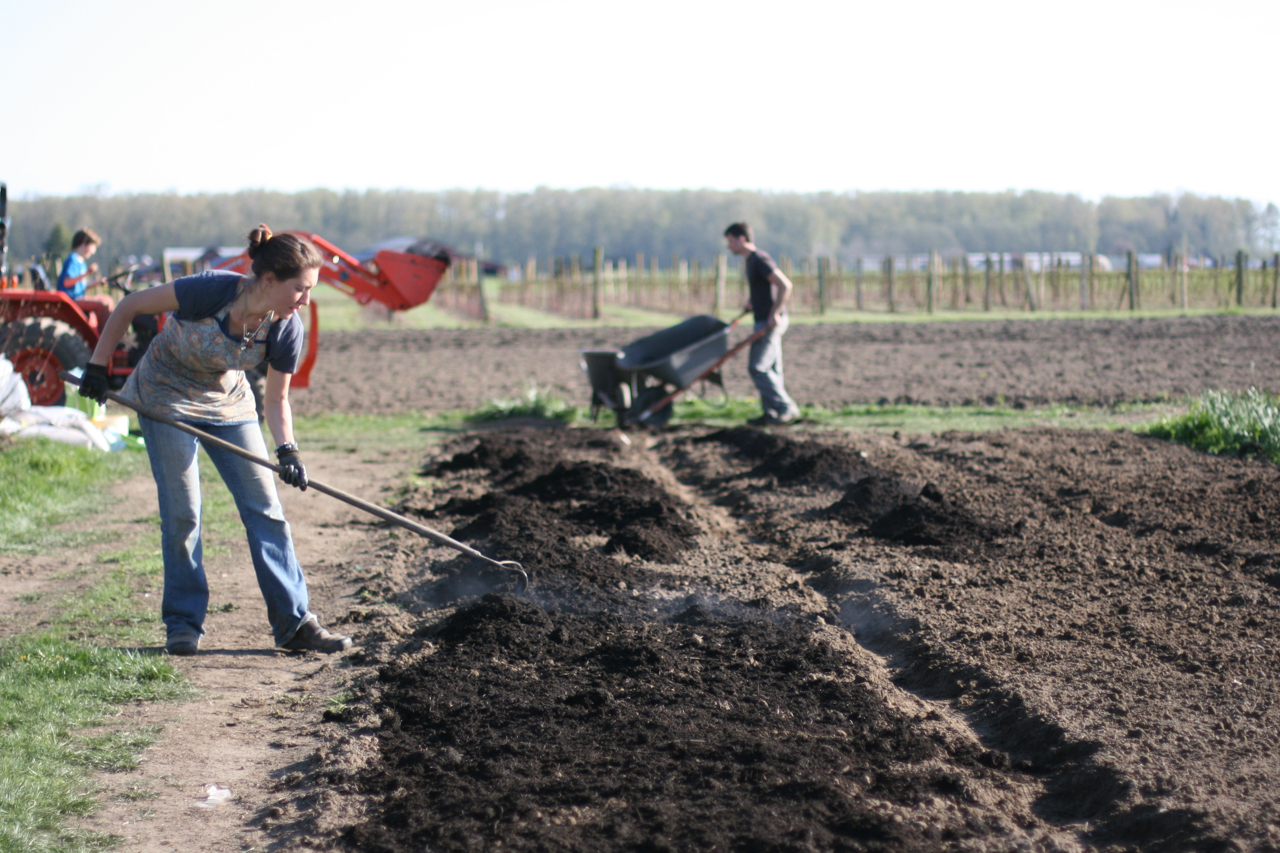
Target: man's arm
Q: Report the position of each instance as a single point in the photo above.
(781, 294)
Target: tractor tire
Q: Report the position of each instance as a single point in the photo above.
(258, 385)
(39, 347)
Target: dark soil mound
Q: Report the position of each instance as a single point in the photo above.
(531, 534)
(550, 731)
(521, 455)
(794, 462)
(581, 498)
(892, 508)
(638, 515)
(542, 507)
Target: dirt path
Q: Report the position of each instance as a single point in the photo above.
(256, 716)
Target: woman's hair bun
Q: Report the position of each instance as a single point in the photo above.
(258, 238)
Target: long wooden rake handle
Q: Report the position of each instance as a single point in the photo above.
(373, 509)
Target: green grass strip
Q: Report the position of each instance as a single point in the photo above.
(1223, 422)
(690, 409)
(43, 484)
(59, 681)
(50, 688)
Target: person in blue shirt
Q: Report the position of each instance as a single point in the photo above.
(77, 272)
(222, 324)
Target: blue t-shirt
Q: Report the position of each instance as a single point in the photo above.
(73, 266)
(194, 369)
(205, 294)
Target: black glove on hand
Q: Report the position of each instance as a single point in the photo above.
(93, 384)
(292, 471)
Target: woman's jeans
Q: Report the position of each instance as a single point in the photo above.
(174, 463)
(765, 365)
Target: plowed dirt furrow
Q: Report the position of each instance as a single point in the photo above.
(1052, 603)
(744, 639)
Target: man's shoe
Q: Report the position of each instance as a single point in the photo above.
(771, 419)
(311, 637)
(184, 643)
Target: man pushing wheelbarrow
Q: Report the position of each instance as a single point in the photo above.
(636, 381)
(768, 289)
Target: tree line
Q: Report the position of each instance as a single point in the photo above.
(510, 227)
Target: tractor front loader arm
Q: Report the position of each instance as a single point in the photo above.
(398, 280)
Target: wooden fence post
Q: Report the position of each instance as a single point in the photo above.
(1029, 283)
(1040, 257)
(1004, 302)
(1275, 278)
(1085, 260)
(1182, 278)
(890, 262)
(722, 275)
(597, 279)
(986, 291)
(1240, 262)
(1133, 280)
(822, 285)
(857, 282)
(931, 281)
(482, 301)
(968, 279)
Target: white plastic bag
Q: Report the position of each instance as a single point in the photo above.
(13, 391)
(57, 423)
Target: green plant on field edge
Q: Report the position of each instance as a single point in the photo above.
(535, 403)
(1225, 422)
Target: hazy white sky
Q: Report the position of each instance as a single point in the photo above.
(1095, 98)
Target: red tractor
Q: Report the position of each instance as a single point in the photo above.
(44, 331)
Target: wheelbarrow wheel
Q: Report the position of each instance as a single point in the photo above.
(644, 400)
(622, 402)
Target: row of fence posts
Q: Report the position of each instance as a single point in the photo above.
(565, 286)
(561, 286)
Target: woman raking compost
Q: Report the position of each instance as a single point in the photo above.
(223, 324)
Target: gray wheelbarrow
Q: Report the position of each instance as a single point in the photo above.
(641, 381)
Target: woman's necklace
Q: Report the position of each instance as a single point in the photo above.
(244, 327)
(249, 336)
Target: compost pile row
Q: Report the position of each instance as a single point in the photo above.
(745, 640)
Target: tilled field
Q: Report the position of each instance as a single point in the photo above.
(752, 640)
(1021, 363)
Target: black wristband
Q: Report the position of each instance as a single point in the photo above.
(288, 447)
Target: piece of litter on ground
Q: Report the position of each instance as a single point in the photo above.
(622, 436)
(214, 794)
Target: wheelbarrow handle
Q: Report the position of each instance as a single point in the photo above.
(373, 509)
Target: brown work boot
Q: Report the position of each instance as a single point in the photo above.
(311, 637)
